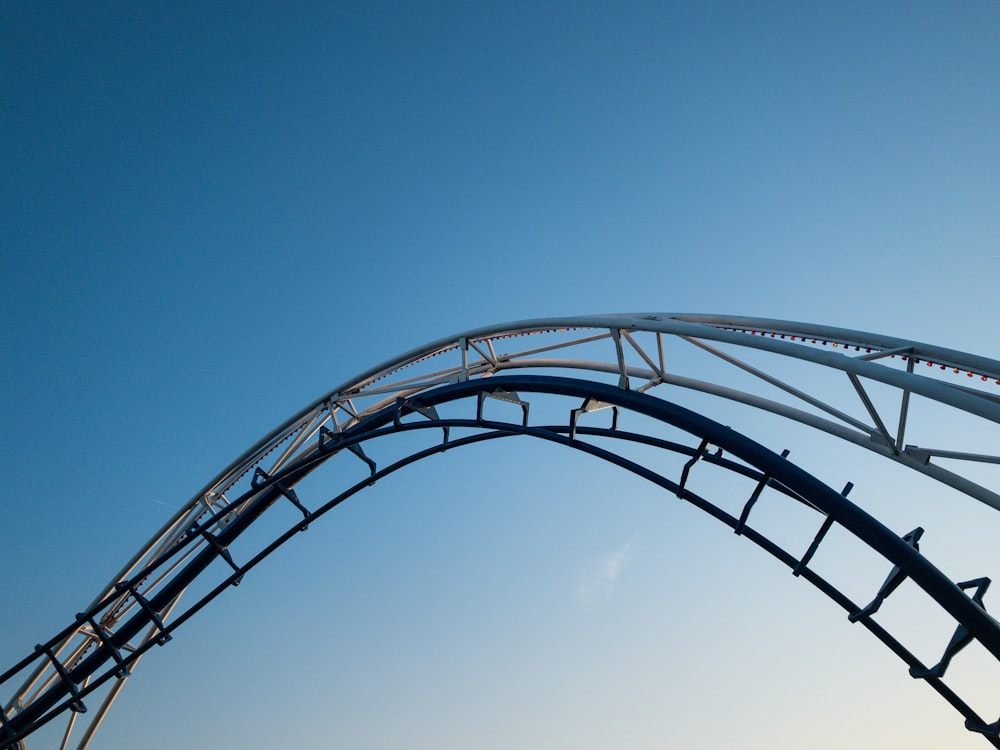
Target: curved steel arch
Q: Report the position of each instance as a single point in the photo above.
(146, 591)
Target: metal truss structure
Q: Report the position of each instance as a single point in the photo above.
(632, 367)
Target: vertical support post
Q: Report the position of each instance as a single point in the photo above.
(463, 344)
(616, 335)
(904, 407)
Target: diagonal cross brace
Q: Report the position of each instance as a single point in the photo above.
(873, 412)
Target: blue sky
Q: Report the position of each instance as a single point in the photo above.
(210, 217)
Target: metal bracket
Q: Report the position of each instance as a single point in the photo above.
(827, 525)
(892, 581)
(260, 476)
(77, 703)
(105, 638)
(698, 454)
(962, 636)
(499, 394)
(405, 406)
(919, 454)
(223, 552)
(328, 440)
(745, 514)
(151, 613)
(591, 405)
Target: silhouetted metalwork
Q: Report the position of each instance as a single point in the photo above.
(142, 606)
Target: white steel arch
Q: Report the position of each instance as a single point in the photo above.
(564, 343)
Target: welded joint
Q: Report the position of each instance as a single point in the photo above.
(920, 455)
(489, 356)
(869, 357)
(492, 354)
(990, 730)
(346, 405)
(76, 704)
(657, 368)
(896, 576)
(962, 636)
(334, 406)
(764, 482)
(650, 384)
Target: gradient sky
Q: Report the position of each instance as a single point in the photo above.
(210, 217)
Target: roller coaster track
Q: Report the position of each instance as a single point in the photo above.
(633, 368)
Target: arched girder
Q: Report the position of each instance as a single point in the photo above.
(74, 679)
(567, 344)
(610, 345)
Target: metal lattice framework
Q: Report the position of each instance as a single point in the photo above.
(631, 365)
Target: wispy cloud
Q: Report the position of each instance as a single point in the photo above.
(597, 585)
